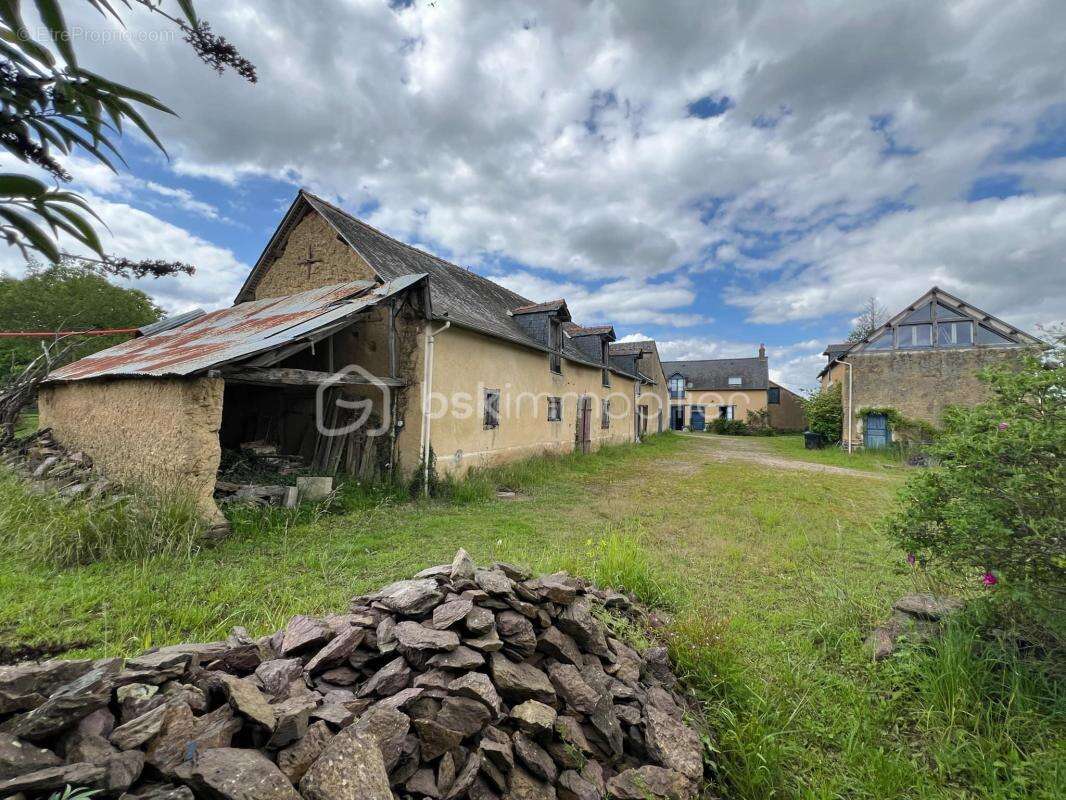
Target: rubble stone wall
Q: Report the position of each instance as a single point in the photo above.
(159, 432)
(333, 261)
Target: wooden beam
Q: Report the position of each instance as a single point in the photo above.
(282, 376)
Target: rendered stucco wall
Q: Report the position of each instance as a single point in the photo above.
(744, 400)
(157, 432)
(335, 261)
(919, 385)
(788, 415)
(466, 363)
(657, 397)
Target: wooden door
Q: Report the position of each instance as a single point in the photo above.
(583, 435)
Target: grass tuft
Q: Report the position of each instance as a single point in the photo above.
(44, 529)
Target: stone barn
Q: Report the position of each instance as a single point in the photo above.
(443, 368)
(158, 409)
(925, 358)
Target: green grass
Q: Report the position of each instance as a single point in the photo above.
(772, 578)
(791, 445)
(45, 530)
(27, 424)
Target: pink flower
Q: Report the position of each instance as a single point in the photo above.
(911, 559)
(988, 579)
(1004, 425)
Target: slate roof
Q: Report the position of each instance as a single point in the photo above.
(534, 308)
(633, 348)
(834, 350)
(457, 294)
(574, 329)
(715, 373)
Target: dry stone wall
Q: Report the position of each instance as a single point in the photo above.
(459, 683)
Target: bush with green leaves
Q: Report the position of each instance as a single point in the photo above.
(729, 427)
(994, 509)
(825, 413)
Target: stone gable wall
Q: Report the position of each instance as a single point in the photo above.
(337, 262)
(920, 384)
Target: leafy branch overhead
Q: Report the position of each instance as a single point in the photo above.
(50, 106)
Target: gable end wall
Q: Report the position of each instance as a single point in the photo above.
(337, 262)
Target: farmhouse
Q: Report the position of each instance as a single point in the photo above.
(653, 399)
(729, 388)
(350, 351)
(923, 359)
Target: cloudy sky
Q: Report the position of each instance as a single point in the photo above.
(712, 175)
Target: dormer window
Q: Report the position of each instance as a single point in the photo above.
(677, 387)
(606, 373)
(555, 346)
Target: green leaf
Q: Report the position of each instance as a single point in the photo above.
(52, 16)
(12, 185)
(138, 120)
(86, 233)
(37, 239)
(188, 10)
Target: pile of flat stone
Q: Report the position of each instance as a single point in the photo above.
(485, 684)
(52, 468)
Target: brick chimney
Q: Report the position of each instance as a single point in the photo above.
(762, 351)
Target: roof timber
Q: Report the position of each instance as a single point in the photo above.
(285, 376)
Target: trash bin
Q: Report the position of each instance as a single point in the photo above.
(813, 441)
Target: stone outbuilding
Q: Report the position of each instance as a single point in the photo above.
(923, 359)
(351, 352)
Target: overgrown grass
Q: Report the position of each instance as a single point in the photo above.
(773, 577)
(27, 424)
(791, 445)
(46, 530)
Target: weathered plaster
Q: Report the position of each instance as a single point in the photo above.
(157, 432)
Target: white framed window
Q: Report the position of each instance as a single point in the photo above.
(735, 380)
(677, 386)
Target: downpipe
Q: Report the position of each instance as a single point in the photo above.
(427, 390)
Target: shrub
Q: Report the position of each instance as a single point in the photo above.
(825, 413)
(759, 423)
(729, 427)
(996, 504)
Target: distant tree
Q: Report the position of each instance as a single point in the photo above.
(73, 295)
(871, 318)
(51, 106)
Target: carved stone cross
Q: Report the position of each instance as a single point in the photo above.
(310, 261)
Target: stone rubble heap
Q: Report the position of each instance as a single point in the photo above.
(461, 683)
(53, 468)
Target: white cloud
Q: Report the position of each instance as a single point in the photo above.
(1002, 255)
(555, 135)
(626, 301)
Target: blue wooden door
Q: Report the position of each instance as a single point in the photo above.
(696, 420)
(876, 431)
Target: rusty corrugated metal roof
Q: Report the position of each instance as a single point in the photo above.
(235, 333)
